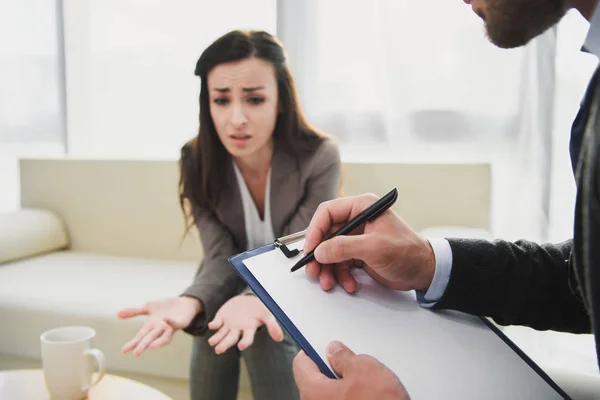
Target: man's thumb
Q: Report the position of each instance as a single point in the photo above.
(339, 357)
(340, 248)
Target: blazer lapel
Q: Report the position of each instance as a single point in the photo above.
(230, 210)
(285, 187)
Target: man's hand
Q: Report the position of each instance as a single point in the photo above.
(387, 248)
(360, 377)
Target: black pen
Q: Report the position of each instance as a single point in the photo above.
(369, 214)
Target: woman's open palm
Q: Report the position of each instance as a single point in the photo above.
(165, 317)
(239, 317)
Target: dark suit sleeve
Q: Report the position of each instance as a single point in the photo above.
(520, 283)
(322, 184)
(216, 281)
(587, 215)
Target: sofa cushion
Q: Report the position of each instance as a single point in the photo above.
(28, 232)
(72, 288)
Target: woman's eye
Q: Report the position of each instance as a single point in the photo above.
(221, 101)
(256, 100)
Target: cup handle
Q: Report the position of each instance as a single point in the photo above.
(100, 364)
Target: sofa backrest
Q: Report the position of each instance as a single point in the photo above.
(130, 207)
(429, 195)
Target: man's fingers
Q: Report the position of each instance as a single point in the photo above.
(339, 357)
(344, 248)
(305, 370)
(344, 277)
(313, 269)
(310, 381)
(332, 213)
(326, 277)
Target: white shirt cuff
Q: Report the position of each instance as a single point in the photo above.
(443, 267)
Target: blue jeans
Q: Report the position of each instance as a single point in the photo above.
(216, 376)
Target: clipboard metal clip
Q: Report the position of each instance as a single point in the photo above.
(285, 241)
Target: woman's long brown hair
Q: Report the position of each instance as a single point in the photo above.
(203, 159)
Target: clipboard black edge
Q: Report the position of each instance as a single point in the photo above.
(238, 264)
(525, 358)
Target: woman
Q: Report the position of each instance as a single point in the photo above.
(257, 170)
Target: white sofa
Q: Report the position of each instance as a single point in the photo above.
(45, 283)
(94, 236)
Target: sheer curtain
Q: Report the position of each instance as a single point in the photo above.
(31, 88)
(419, 81)
(130, 70)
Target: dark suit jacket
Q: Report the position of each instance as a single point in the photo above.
(298, 186)
(550, 286)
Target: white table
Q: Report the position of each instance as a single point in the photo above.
(28, 384)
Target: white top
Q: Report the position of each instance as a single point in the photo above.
(258, 232)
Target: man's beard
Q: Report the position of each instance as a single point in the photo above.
(513, 23)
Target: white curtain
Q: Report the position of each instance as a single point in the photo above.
(399, 80)
(32, 121)
(131, 88)
(30, 72)
(523, 202)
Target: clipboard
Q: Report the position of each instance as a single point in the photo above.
(282, 244)
(283, 249)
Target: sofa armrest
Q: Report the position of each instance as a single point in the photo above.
(29, 232)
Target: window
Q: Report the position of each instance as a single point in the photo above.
(31, 89)
(130, 70)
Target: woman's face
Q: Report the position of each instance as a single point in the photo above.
(244, 105)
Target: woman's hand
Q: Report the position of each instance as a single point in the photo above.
(165, 317)
(241, 316)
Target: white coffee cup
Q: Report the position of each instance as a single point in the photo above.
(68, 361)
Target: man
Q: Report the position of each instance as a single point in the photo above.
(542, 286)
